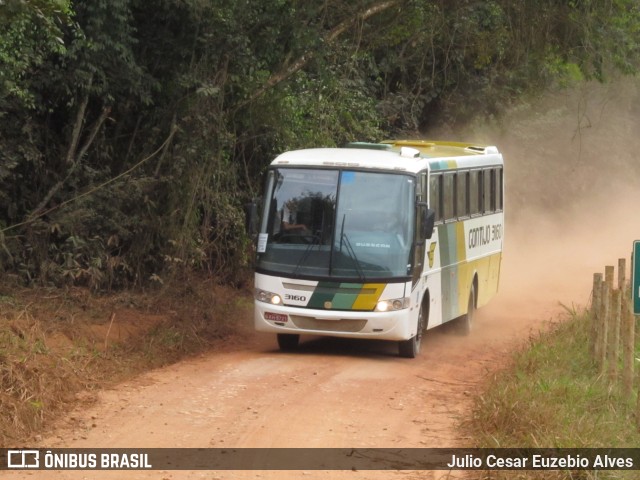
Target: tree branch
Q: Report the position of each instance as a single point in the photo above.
(172, 132)
(288, 70)
(77, 127)
(75, 162)
(94, 131)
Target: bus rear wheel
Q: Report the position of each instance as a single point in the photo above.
(288, 341)
(464, 324)
(411, 348)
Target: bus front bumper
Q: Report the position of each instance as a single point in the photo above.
(392, 325)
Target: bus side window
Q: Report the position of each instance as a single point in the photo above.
(474, 192)
(462, 184)
(435, 197)
(486, 190)
(449, 197)
(494, 189)
(499, 200)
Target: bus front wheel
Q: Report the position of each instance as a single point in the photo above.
(288, 341)
(411, 348)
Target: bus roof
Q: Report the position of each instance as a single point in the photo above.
(395, 155)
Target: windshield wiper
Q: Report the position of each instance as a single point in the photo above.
(350, 250)
(307, 251)
(353, 256)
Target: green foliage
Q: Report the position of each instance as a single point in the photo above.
(100, 57)
(132, 132)
(31, 31)
(446, 62)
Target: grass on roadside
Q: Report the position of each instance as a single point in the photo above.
(55, 344)
(552, 396)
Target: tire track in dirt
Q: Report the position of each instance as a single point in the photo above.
(331, 393)
(344, 393)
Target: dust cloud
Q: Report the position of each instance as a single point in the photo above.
(572, 197)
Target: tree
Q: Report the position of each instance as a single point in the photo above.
(32, 31)
(132, 132)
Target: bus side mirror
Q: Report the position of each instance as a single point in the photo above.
(428, 223)
(251, 218)
(427, 220)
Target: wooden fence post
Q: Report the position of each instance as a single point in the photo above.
(622, 272)
(627, 330)
(614, 336)
(604, 320)
(628, 346)
(596, 305)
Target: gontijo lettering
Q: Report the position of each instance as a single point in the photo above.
(484, 235)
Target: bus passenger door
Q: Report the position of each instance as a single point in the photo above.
(419, 240)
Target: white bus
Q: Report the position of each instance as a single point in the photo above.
(378, 241)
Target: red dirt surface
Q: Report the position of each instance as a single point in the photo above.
(342, 393)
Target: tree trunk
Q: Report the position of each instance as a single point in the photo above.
(72, 157)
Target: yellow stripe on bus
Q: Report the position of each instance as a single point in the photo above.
(369, 296)
(488, 271)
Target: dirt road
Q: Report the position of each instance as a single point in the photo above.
(330, 393)
(337, 393)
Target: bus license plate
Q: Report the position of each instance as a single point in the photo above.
(275, 317)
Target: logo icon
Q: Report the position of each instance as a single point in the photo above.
(431, 253)
(23, 459)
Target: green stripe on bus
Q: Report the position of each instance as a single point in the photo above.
(448, 244)
(346, 296)
(345, 301)
(448, 235)
(324, 292)
(444, 165)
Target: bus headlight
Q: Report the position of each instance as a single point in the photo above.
(267, 297)
(394, 304)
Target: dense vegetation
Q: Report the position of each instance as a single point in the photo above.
(132, 132)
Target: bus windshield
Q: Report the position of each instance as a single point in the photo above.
(349, 225)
